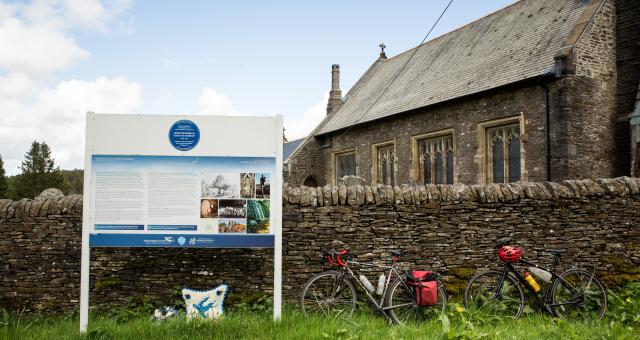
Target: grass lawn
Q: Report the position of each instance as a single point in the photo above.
(622, 321)
(258, 325)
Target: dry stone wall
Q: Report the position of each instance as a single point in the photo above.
(452, 228)
(447, 228)
(40, 263)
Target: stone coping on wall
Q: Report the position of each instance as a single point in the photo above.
(40, 207)
(359, 195)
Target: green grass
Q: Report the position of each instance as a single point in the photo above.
(253, 321)
(258, 325)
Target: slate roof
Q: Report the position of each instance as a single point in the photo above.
(515, 43)
(289, 147)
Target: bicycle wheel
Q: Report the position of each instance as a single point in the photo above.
(403, 307)
(482, 293)
(322, 295)
(578, 294)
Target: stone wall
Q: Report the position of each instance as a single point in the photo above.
(628, 64)
(627, 54)
(309, 161)
(450, 229)
(588, 106)
(40, 262)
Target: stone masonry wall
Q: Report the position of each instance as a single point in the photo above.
(627, 53)
(450, 229)
(309, 161)
(628, 65)
(40, 262)
(462, 116)
(588, 146)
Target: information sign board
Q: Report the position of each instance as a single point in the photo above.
(182, 181)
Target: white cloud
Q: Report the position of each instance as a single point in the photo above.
(57, 115)
(301, 127)
(36, 50)
(212, 102)
(95, 14)
(15, 85)
(36, 40)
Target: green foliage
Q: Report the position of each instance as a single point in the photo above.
(464, 272)
(138, 307)
(177, 293)
(624, 305)
(246, 323)
(252, 303)
(39, 172)
(342, 333)
(73, 180)
(108, 283)
(11, 185)
(3, 180)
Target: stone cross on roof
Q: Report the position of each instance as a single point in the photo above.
(382, 54)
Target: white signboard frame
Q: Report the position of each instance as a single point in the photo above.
(115, 140)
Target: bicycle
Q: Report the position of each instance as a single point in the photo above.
(575, 293)
(333, 292)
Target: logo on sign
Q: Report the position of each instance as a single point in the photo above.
(184, 135)
(181, 240)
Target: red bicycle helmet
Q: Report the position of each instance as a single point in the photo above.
(510, 254)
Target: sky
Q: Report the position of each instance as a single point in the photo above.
(59, 59)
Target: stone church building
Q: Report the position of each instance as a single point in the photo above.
(539, 90)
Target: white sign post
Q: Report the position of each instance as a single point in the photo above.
(182, 181)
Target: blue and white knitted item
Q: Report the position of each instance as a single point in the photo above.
(164, 313)
(204, 304)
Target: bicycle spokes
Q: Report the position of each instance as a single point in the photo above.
(484, 294)
(325, 297)
(404, 309)
(579, 295)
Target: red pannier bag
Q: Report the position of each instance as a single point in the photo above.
(425, 286)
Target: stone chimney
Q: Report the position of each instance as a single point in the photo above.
(335, 96)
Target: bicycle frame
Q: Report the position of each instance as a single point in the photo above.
(543, 300)
(392, 270)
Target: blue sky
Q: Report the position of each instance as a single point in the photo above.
(191, 57)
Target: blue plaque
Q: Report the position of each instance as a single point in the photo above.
(184, 135)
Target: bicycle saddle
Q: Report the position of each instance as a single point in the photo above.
(398, 252)
(557, 252)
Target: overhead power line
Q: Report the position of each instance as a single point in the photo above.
(415, 50)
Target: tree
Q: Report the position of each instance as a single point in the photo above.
(73, 181)
(39, 172)
(3, 180)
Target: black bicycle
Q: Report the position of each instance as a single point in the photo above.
(333, 292)
(573, 294)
